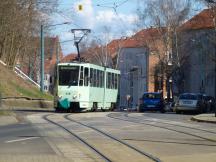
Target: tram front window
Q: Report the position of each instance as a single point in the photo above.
(68, 75)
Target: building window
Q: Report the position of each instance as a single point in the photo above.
(51, 80)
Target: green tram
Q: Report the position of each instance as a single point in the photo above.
(85, 87)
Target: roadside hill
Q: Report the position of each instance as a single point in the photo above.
(12, 85)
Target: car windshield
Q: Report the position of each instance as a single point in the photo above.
(68, 75)
(152, 96)
(189, 97)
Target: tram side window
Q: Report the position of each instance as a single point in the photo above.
(116, 81)
(98, 78)
(91, 77)
(94, 78)
(81, 76)
(86, 76)
(109, 80)
(113, 81)
(101, 79)
(106, 79)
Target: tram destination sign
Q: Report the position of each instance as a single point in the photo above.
(68, 67)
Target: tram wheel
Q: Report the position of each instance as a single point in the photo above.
(103, 110)
(113, 106)
(94, 107)
(56, 110)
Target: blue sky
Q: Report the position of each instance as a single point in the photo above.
(107, 19)
(118, 16)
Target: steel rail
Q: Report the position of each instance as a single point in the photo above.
(153, 158)
(80, 139)
(162, 127)
(203, 130)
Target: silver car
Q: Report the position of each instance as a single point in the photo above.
(190, 102)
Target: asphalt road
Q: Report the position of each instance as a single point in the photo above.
(109, 136)
(22, 139)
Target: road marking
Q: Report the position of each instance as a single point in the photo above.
(85, 131)
(128, 126)
(22, 139)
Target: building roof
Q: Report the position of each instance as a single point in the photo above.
(152, 37)
(115, 45)
(203, 20)
(148, 34)
(69, 57)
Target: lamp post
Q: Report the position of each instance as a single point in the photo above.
(42, 52)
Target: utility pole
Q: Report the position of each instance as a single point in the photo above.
(42, 53)
(42, 60)
(57, 50)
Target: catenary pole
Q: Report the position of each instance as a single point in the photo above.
(42, 60)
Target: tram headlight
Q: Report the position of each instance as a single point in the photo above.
(59, 97)
(74, 96)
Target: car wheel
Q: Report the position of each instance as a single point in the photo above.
(162, 111)
(178, 112)
(208, 108)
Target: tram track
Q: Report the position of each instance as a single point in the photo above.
(203, 130)
(134, 120)
(153, 158)
(96, 149)
(45, 117)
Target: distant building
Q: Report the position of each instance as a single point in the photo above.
(152, 39)
(197, 49)
(132, 59)
(133, 64)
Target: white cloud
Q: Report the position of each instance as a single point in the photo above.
(85, 17)
(109, 16)
(129, 33)
(105, 16)
(94, 18)
(66, 36)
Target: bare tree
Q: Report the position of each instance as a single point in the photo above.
(166, 16)
(19, 25)
(97, 51)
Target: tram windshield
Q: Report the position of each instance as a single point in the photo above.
(68, 75)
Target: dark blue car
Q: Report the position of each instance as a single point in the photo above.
(152, 101)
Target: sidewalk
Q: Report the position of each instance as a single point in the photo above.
(7, 120)
(209, 118)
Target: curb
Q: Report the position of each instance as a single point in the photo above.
(27, 103)
(201, 120)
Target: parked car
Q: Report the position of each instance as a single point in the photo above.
(190, 102)
(210, 103)
(151, 101)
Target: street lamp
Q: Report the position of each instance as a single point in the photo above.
(42, 52)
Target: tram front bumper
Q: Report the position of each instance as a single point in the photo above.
(64, 103)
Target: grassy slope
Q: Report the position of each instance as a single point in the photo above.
(12, 85)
